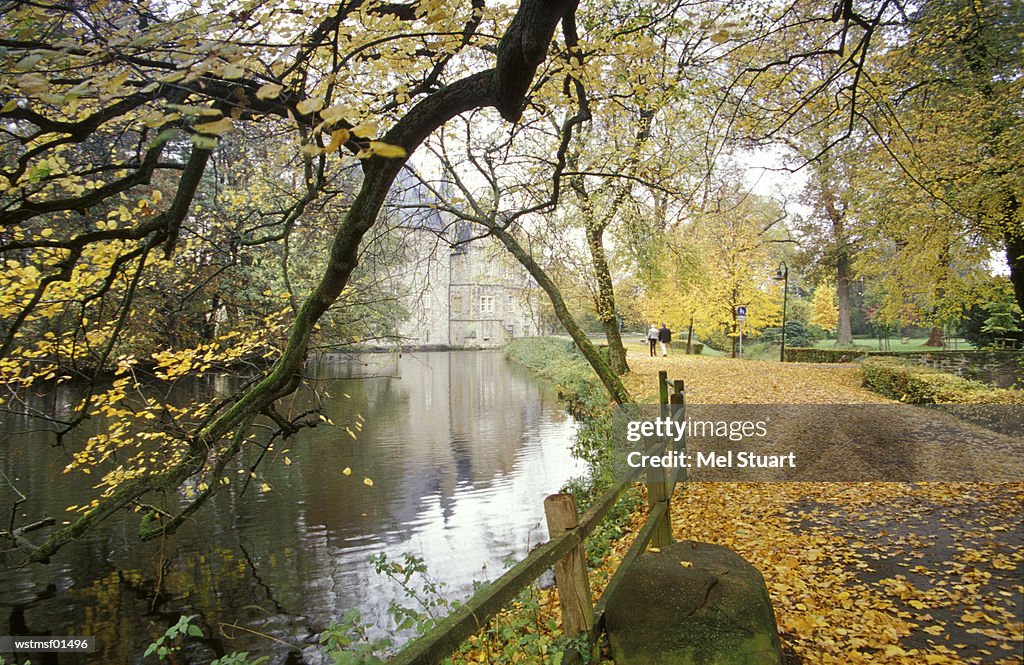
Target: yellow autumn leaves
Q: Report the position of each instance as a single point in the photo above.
(207, 133)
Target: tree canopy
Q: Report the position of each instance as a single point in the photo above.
(188, 187)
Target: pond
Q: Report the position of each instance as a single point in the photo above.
(461, 448)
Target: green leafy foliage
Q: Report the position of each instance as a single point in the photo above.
(170, 641)
(520, 634)
(808, 355)
(347, 642)
(239, 658)
(797, 334)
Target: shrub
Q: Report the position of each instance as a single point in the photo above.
(718, 340)
(797, 334)
(806, 355)
(921, 385)
(557, 361)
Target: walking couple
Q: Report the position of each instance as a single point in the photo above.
(662, 335)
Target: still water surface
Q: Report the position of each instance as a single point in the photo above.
(462, 447)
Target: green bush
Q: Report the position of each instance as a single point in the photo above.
(808, 355)
(920, 385)
(557, 361)
(760, 350)
(797, 334)
(718, 340)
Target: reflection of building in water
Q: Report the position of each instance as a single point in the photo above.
(438, 429)
(460, 291)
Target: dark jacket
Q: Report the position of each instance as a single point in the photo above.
(664, 335)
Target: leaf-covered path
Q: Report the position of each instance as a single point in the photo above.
(888, 573)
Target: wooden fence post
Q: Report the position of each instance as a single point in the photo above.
(663, 391)
(657, 481)
(571, 571)
(659, 489)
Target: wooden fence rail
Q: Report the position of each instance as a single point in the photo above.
(565, 552)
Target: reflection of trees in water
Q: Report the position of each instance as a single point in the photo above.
(439, 433)
(452, 420)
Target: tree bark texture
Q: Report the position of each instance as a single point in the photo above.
(844, 334)
(606, 300)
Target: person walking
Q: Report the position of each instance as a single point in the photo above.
(665, 337)
(652, 337)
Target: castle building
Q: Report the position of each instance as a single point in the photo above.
(460, 290)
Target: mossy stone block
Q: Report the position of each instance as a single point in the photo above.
(692, 604)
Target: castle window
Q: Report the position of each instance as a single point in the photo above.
(487, 304)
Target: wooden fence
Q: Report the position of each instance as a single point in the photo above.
(565, 552)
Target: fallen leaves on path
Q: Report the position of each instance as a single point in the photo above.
(732, 381)
(886, 573)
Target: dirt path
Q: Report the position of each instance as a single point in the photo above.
(866, 572)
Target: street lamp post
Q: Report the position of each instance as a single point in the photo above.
(783, 274)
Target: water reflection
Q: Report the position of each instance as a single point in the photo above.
(461, 449)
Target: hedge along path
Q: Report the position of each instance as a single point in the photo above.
(881, 573)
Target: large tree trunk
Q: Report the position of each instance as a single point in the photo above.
(936, 338)
(605, 300)
(844, 334)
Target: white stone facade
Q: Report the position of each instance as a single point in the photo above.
(459, 293)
